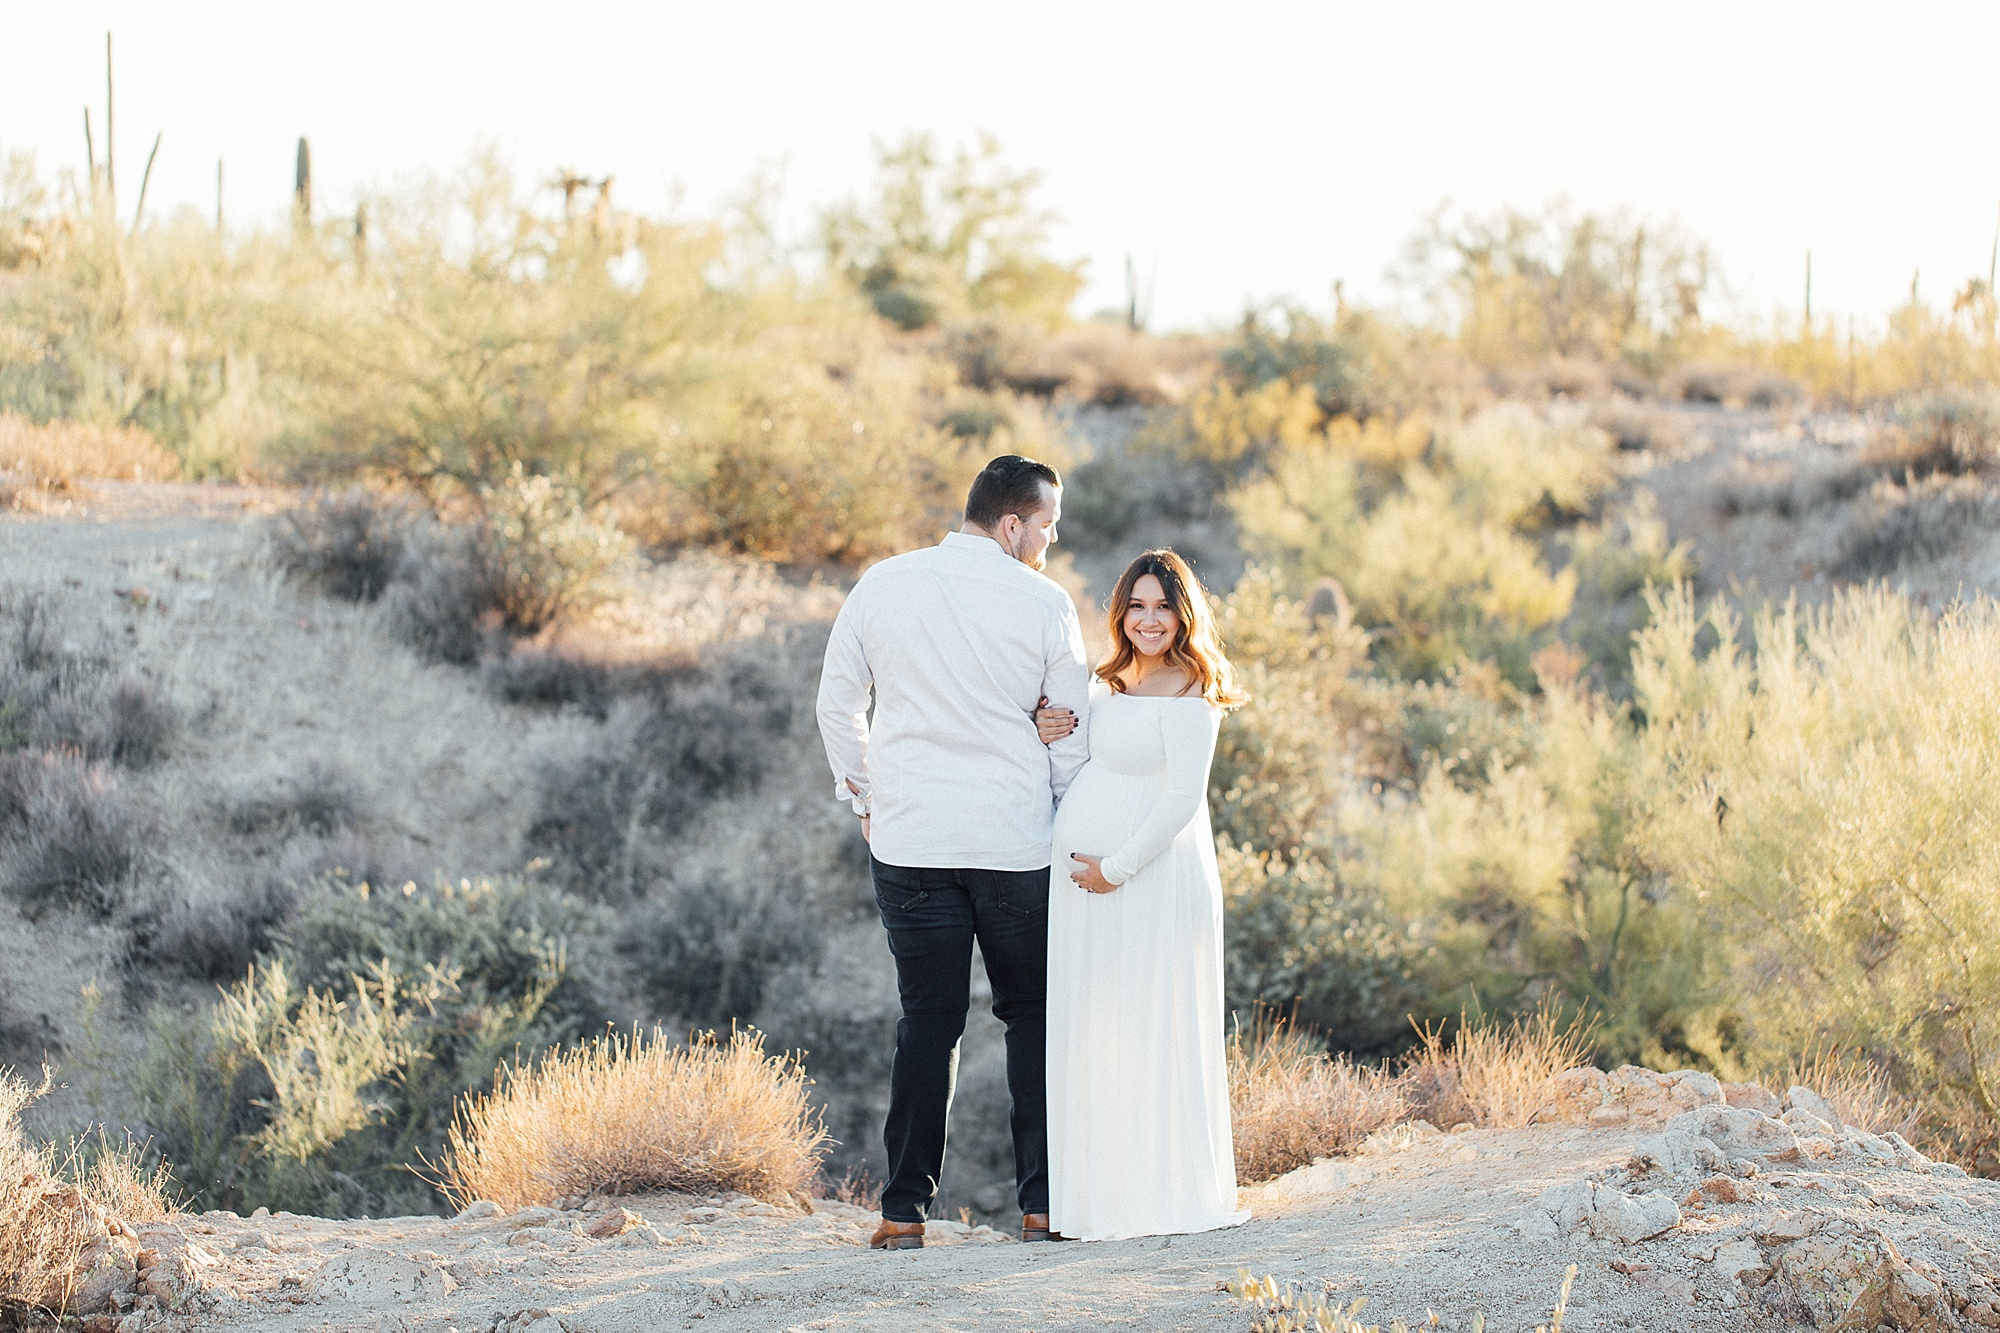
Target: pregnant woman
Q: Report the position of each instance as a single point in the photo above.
(1138, 1090)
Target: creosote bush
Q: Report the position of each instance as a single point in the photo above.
(350, 543)
(74, 835)
(625, 1113)
(335, 1062)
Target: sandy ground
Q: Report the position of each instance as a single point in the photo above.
(1421, 1223)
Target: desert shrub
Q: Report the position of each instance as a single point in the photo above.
(48, 459)
(1617, 559)
(1291, 1104)
(1832, 803)
(947, 236)
(1521, 288)
(545, 554)
(76, 835)
(1863, 1092)
(707, 952)
(55, 1211)
(59, 688)
(628, 1113)
(214, 937)
(318, 797)
(1299, 944)
(1494, 1075)
(1355, 365)
(1736, 384)
(1436, 550)
(442, 601)
(502, 942)
(1953, 429)
(1926, 519)
(662, 761)
(332, 1066)
(349, 543)
(550, 679)
(1641, 427)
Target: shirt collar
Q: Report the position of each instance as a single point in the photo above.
(971, 541)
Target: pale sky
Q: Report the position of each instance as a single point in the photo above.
(1239, 151)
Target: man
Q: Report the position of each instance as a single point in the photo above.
(957, 800)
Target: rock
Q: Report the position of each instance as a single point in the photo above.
(1803, 1121)
(1567, 1206)
(1536, 1225)
(1740, 1260)
(1869, 1148)
(1738, 1132)
(561, 1238)
(1753, 1097)
(1673, 1153)
(1631, 1218)
(1628, 1095)
(1609, 1213)
(1788, 1227)
(1801, 1098)
(478, 1211)
(1906, 1156)
(1719, 1189)
(533, 1216)
(640, 1238)
(1948, 1169)
(1398, 1138)
(615, 1223)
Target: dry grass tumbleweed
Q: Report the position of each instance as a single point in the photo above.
(626, 1113)
(46, 460)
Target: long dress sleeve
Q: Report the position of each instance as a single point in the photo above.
(1188, 732)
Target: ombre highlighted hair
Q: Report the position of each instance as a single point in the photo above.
(1196, 649)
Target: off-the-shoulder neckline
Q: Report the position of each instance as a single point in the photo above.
(1127, 694)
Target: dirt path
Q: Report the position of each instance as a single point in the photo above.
(1419, 1223)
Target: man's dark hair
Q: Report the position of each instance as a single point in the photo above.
(1010, 484)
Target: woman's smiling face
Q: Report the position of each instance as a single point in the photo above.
(1151, 624)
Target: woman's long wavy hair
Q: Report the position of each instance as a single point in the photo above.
(1197, 648)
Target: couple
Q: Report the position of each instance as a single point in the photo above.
(1071, 842)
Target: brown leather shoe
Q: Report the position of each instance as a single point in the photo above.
(897, 1236)
(1035, 1226)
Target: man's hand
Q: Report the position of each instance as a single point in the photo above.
(1089, 872)
(865, 818)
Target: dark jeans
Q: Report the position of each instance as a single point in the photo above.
(932, 917)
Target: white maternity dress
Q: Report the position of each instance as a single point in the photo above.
(1138, 1087)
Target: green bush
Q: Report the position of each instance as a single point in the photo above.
(1440, 558)
(945, 237)
(1833, 769)
(325, 1076)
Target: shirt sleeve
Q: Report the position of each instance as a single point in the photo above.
(845, 683)
(1189, 734)
(1066, 684)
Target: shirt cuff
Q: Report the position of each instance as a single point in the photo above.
(1113, 871)
(842, 793)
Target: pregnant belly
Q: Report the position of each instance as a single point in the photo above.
(1100, 811)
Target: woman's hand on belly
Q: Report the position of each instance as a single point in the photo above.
(1087, 870)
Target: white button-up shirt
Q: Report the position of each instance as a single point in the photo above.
(958, 643)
